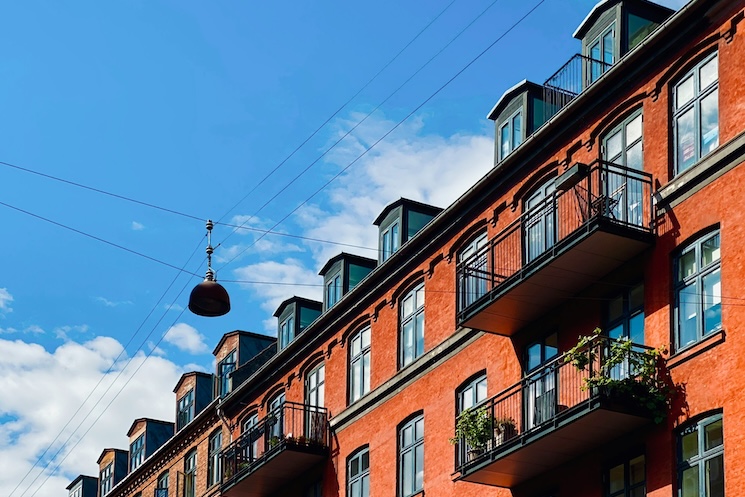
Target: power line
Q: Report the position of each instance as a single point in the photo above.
(391, 130)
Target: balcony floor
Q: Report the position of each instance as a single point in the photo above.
(571, 265)
(553, 444)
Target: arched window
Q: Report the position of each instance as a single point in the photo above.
(411, 456)
(411, 313)
(475, 274)
(622, 150)
(359, 364)
(540, 220)
(358, 473)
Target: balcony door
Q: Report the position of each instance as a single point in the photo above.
(475, 274)
(622, 146)
(314, 399)
(540, 388)
(275, 420)
(540, 221)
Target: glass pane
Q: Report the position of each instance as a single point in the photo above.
(419, 454)
(709, 73)
(713, 436)
(689, 483)
(684, 92)
(365, 487)
(354, 489)
(686, 153)
(356, 345)
(366, 373)
(408, 305)
(616, 332)
(614, 147)
(419, 429)
(420, 333)
(517, 131)
(636, 297)
(688, 308)
(616, 479)
(394, 237)
(709, 122)
(467, 399)
(407, 435)
(504, 140)
(636, 328)
(634, 157)
(407, 470)
(712, 301)
(366, 338)
(420, 297)
(354, 467)
(356, 380)
(687, 265)
(710, 251)
(552, 346)
(636, 470)
(534, 356)
(365, 460)
(608, 47)
(634, 130)
(481, 391)
(689, 445)
(715, 476)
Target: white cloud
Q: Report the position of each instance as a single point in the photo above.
(290, 277)
(137, 226)
(186, 338)
(63, 332)
(33, 329)
(5, 299)
(173, 307)
(111, 303)
(43, 389)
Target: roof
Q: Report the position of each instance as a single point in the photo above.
(107, 450)
(186, 375)
(604, 5)
(411, 204)
(299, 300)
(357, 259)
(241, 333)
(508, 95)
(147, 420)
(80, 477)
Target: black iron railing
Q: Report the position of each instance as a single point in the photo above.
(603, 190)
(292, 425)
(557, 389)
(573, 78)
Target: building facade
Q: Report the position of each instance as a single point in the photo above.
(565, 328)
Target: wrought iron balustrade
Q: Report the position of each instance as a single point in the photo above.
(574, 77)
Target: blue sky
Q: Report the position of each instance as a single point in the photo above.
(189, 105)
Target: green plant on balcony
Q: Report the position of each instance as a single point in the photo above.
(623, 373)
(475, 427)
(504, 429)
(274, 441)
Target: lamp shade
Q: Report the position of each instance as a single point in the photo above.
(210, 299)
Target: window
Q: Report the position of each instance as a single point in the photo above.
(359, 364)
(701, 459)
(314, 398)
(601, 52)
(333, 291)
(226, 366)
(411, 457)
(286, 332)
(698, 292)
(276, 418)
(412, 325)
(185, 409)
(390, 240)
(106, 477)
(623, 147)
(540, 221)
(472, 393)
(541, 381)
(190, 474)
(473, 282)
(696, 113)
(358, 474)
(77, 490)
(162, 489)
(137, 452)
(510, 135)
(625, 315)
(627, 479)
(213, 459)
(252, 437)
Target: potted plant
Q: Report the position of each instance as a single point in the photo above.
(273, 441)
(504, 429)
(475, 428)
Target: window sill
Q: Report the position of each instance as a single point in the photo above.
(708, 169)
(696, 349)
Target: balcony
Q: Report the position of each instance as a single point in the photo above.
(289, 443)
(553, 415)
(574, 77)
(599, 217)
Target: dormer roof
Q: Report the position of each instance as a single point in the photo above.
(239, 332)
(297, 300)
(356, 259)
(511, 93)
(106, 451)
(604, 5)
(187, 375)
(147, 420)
(412, 204)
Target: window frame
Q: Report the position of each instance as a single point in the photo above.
(629, 488)
(137, 452)
(362, 477)
(362, 358)
(316, 393)
(702, 456)
(334, 290)
(696, 281)
(600, 42)
(224, 368)
(213, 458)
(106, 478)
(185, 408)
(694, 104)
(621, 128)
(412, 447)
(190, 473)
(286, 332)
(514, 140)
(161, 485)
(418, 326)
(473, 383)
(390, 240)
(629, 312)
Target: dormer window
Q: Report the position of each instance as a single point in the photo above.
(341, 274)
(224, 368)
(510, 134)
(293, 316)
(185, 410)
(601, 52)
(391, 241)
(137, 452)
(286, 332)
(333, 290)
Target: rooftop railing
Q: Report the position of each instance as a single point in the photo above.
(573, 78)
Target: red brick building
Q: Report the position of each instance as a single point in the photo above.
(610, 206)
